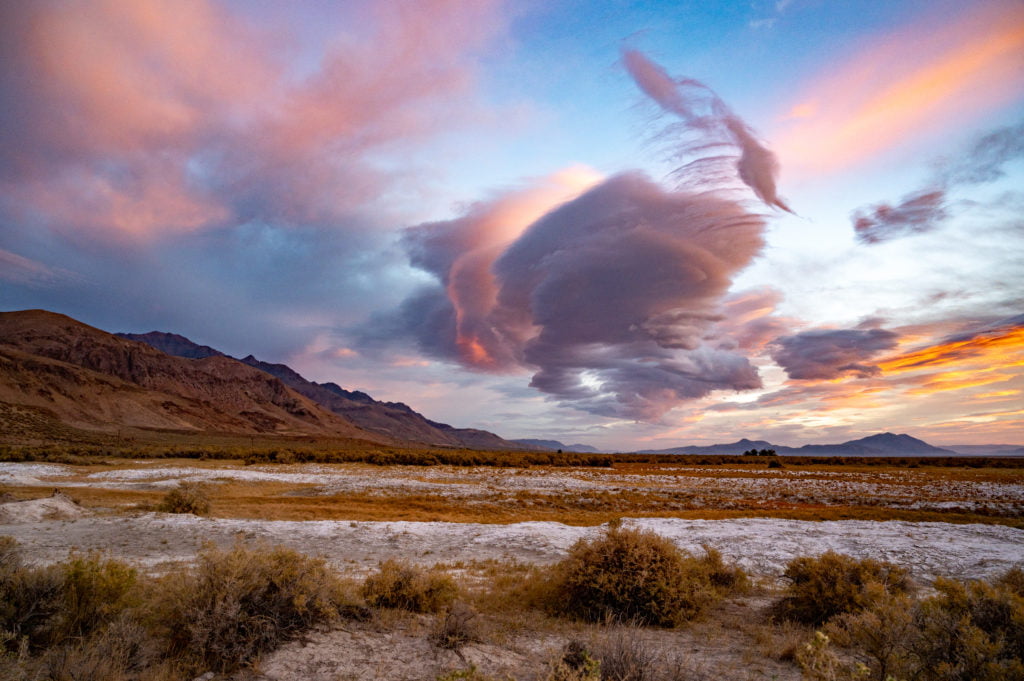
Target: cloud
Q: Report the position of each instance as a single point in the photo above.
(703, 111)
(822, 354)
(916, 213)
(990, 345)
(222, 171)
(140, 118)
(608, 291)
(911, 83)
(984, 161)
(923, 210)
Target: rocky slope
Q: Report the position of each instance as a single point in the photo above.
(389, 419)
(69, 373)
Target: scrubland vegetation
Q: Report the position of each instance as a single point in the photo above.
(313, 451)
(90, 618)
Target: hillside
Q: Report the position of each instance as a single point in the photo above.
(57, 371)
(389, 419)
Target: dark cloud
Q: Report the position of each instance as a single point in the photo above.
(822, 354)
(923, 210)
(609, 293)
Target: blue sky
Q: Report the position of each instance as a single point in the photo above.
(471, 206)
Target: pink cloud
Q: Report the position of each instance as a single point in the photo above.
(143, 117)
(910, 83)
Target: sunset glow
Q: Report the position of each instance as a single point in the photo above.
(596, 222)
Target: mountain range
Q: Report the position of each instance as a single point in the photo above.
(394, 420)
(57, 374)
(882, 444)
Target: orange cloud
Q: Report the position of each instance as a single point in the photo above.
(912, 82)
(486, 232)
(1003, 347)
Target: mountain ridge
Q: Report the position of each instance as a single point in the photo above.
(879, 444)
(70, 373)
(395, 420)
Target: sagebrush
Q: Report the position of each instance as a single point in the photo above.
(639, 577)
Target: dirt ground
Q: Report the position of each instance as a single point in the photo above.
(733, 642)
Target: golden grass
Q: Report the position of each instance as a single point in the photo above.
(615, 492)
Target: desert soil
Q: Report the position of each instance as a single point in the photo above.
(49, 528)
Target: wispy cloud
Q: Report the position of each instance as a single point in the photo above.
(914, 81)
(924, 210)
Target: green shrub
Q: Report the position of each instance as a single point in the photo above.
(187, 497)
(237, 604)
(639, 577)
(831, 584)
(404, 586)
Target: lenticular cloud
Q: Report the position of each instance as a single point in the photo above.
(608, 291)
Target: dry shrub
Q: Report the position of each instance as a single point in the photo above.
(456, 627)
(30, 599)
(237, 604)
(187, 497)
(831, 584)
(401, 585)
(1012, 580)
(575, 664)
(880, 637)
(970, 631)
(122, 652)
(623, 655)
(639, 577)
(470, 674)
(48, 605)
(95, 591)
(780, 640)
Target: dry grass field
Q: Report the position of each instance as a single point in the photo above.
(576, 495)
(478, 543)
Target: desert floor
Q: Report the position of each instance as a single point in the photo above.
(961, 523)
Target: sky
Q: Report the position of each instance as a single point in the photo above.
(633, 225)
